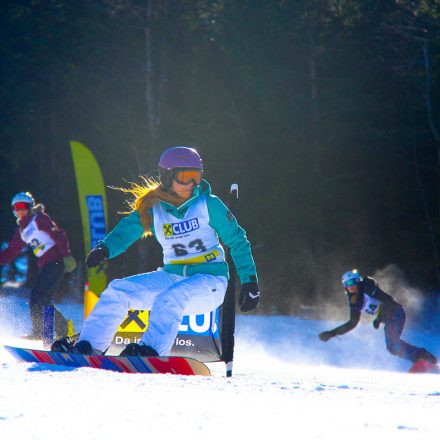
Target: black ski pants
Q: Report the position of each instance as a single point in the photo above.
(393, 331)
(48, 281)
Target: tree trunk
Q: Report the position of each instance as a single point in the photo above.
(150, 98)
(428, 99)
(149, 87)
(316, 235)
(436, 135)
(314, 112)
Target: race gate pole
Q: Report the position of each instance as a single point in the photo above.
(228, 315)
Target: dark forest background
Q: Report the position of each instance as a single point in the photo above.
(324, 112)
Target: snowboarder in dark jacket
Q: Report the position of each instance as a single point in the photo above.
(50, 245)
(365, 296)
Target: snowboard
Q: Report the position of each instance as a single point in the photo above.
(122, 364)
(424, 366)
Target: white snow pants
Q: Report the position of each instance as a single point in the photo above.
(169, 297)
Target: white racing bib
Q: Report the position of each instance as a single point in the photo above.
(371, 306)
(39, 241)
(189, 240)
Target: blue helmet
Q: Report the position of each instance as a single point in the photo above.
(351, 278)
(24, 197)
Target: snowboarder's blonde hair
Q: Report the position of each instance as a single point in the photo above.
(146, 194)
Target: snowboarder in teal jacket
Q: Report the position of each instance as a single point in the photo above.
(187, 220)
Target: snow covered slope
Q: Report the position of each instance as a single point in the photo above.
(286, 383)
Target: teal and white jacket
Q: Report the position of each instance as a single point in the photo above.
(189, 235)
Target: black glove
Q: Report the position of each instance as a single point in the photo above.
(96, 256)
(325, 336)
(249, 297)
(376, 323)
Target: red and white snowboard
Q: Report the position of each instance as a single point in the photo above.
(424, 366)
(122, 364)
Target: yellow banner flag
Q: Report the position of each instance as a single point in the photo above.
(93, 207)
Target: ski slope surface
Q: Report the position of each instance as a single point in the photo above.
(286, 384)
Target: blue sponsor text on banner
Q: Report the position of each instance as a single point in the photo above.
(95, 207)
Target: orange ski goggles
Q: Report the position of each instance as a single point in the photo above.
(186, 176)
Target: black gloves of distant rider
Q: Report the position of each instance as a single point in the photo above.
(96, 256)
(249, 296)
(377, 322)
(325, 336)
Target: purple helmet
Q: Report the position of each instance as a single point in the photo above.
(177, 157)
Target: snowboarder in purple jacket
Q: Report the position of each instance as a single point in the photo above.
(50, 245)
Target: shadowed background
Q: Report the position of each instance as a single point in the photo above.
(324, 112)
